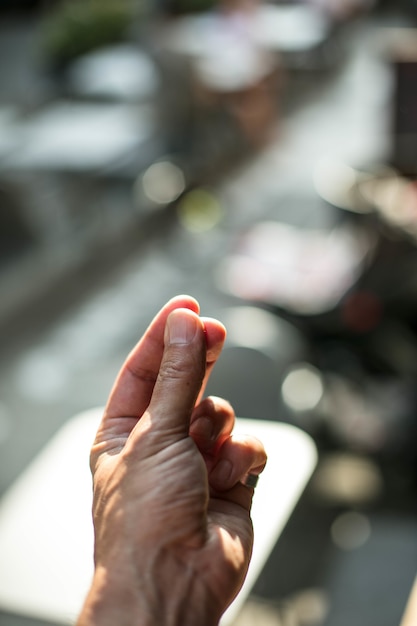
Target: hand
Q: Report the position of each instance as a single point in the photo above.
(173, 535)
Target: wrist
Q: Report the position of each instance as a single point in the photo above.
(115, 598)
(110, 601)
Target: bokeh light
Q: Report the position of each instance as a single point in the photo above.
(350, 530)
(302, 388)
(345, 478)
(199, 211)
(310, 606)
(251, 327)
(163, 182)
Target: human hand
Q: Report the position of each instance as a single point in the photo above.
(173, 535)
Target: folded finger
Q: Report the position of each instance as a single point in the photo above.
(212, 422)
(237, 458)
(215, 335)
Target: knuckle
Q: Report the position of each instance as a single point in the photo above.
(172, 369)
(180, 367)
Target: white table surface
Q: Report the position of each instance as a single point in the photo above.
(286, 28)
(122, 72)
(80, 137)
(46, 535)
(233, 52)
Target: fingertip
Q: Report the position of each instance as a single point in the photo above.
(184, 301)
(215, 334)
(212, 422)
(211, 324)
(182, 325)
(237, 457)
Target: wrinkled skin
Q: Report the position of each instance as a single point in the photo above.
(173, 534)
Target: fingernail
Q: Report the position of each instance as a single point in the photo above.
(181, 328)
(222, 472)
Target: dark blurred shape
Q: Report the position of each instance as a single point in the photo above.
(343, 10)
(362, 311)
(403, 58)
(383, 201)
(343, 399)
(77, 27)
(259, 349)
(391, 548)
(181, 7)
(233, 379)
(19, 5)
(15, 235)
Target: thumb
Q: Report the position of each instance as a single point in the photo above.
(180, 377)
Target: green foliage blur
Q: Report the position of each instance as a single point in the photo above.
(77, 27)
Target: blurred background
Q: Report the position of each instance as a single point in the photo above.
(261, 157)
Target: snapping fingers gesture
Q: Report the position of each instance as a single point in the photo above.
(173, 534)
